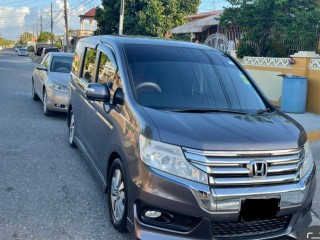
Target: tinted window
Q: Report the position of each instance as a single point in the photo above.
(184, 78)
(76, 60)
(89, 63)
(61, 64)
(107, 73)
(51, 50)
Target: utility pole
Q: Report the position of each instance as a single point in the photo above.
(66, 26)
(37, 28)
(51, 27)
(121, 17)
(41, 23)
(33, 35)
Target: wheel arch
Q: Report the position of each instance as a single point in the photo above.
(113, 156)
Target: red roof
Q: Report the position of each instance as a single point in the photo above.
(90, 13)
(202, 15)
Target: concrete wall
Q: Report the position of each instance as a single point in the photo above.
(265, 71)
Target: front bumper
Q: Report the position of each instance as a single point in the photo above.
(170, 193)
(57, 101)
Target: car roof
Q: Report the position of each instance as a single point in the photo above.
(144, 41)
(60, 54)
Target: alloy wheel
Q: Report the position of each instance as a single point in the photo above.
(117, 195)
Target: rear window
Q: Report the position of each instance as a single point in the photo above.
(177, 78)
(61, 64)
(51, 50)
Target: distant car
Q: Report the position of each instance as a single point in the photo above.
(1, 48)
(22, 52)
(50, 81)
(17, 48)
(47, 50)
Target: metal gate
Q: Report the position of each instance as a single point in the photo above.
(218, 41)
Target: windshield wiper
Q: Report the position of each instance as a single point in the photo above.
(261, 111)
(205, 111)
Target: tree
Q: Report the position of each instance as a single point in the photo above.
(44, 37)
(269, 24)
(25, 37)
(144, 17)
(5, 42)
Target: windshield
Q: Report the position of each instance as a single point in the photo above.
(61, 64)
(173, 78)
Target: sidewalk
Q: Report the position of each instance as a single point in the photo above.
(310, 122)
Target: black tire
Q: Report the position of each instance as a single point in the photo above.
(119, 222)
(46, 111)
(71, 130)
(35, 96)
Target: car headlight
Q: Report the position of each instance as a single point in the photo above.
(59, 87)
(308, 160)
(170, 159)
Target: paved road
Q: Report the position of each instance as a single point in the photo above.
(47, 190)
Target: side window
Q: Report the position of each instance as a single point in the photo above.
(107, 73)
(77, 60)
(89, 62)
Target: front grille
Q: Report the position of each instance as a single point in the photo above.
(232, 168)
(249, 229)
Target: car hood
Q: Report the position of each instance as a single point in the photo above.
(60, 78)
(226, 131)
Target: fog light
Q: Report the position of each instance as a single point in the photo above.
(152, 214)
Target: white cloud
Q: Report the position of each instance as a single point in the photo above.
(15, 20)
(11, 20)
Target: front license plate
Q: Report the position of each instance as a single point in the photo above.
(259, 209)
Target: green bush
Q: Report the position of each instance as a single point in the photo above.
(245, 50)
(30, 49)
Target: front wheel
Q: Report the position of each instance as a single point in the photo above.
(117, 196)
(71, 130)
(46, 111)
(35, 97)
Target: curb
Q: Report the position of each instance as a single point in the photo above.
(313, 136)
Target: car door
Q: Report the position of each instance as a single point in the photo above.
(82, 74)
(101, 132)
(40, 76)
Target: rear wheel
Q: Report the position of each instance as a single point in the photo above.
(46, 111)
(71, 130)
(117, 196)
(35, 96)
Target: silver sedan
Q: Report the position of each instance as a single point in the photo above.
(50, 82)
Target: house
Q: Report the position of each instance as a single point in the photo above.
(83, 32)
(206, 28)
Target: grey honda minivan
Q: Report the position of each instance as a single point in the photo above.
(186, 143)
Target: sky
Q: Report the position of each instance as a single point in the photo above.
(17, 16)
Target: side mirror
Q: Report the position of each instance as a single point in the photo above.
(98, 92)
(118, 97)
(41, 67)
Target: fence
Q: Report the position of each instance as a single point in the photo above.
(266, 73)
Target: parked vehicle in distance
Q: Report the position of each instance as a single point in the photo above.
(50, 81)
(22, 52)
(39, 47)
(17, 48)
(186, 143)
(47, 50)
(1, 48)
